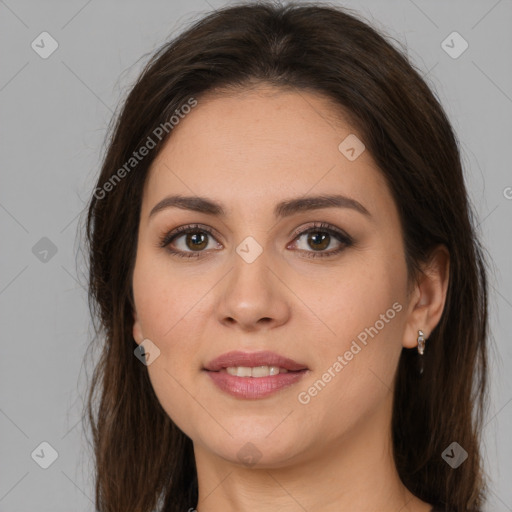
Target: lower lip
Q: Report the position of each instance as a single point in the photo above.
(254, 387)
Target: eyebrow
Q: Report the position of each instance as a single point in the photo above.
(282, 209)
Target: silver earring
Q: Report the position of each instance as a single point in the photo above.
(421, 349)
(421, 343)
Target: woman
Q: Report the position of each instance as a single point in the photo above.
(290, 295)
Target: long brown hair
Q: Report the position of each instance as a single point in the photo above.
(143, 461)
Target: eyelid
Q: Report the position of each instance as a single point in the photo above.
(321, 226)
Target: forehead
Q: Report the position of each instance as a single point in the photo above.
(254, 147)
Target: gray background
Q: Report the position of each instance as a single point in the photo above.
(54, 114)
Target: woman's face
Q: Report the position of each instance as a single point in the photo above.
(337, 307)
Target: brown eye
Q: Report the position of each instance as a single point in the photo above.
(187, 241)
(318, 238)
(196, 241)
(192, 241)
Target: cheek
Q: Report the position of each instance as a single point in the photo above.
(351, 297)
(362, 313)
(163, 297)
(173, 305)
(165, 310)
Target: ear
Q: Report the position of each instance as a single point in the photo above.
(137, 329)
(428, 297)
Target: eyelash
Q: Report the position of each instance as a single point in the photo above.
(342, 237)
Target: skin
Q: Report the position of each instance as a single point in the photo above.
(250, 150)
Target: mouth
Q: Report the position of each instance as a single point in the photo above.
(254, 375)
(254, 364)
(255, 371)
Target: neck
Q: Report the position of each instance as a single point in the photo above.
(355, 472)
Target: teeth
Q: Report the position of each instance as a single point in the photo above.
(257, 371)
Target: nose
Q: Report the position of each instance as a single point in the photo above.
(254, 295)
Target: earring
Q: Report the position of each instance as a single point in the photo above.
(421, 350)
(421, 343)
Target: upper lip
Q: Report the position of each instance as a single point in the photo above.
(251, 359)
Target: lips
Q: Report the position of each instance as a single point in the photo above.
(252, 359)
